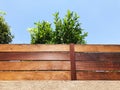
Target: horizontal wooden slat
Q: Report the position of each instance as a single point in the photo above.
(41, 75)
(41, 65)
(57, 47)
(98, 56)
(96, 65)
(98, 75)
(34, 56)
(32, 48)
(97, 48)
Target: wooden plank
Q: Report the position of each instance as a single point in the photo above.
(96, 65)
(32, 47)
(73, 65)
(97, 48)
(41, 75)
(57, 47)
(98, 75)
(41, 65)
(34, 56)
(98, 56)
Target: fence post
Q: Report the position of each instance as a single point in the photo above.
(73, 62)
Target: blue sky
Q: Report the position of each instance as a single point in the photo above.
(100, 18)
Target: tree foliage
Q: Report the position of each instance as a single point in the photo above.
(5, 34)
(67, 30)
(41, 33)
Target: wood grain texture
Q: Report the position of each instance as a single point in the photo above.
(98, 75)
(96, 65)
(98, 56)
(41, 75)
(97, 48)
(73, 65)
(34, 56)
(57, 47)
(88, 58)
(33, 48)
(41, 65)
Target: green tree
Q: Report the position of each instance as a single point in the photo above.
(5, 34)
(41, 33)
(67, 30)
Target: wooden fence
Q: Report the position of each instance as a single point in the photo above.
(59, 62)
